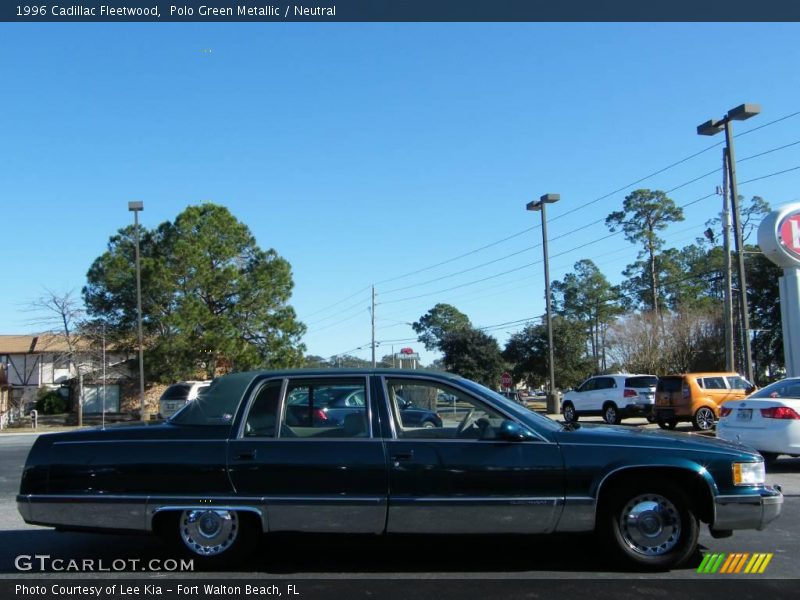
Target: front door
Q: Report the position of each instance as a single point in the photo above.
(460, 478)
(307, 447)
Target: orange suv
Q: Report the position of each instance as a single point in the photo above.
(696, 397)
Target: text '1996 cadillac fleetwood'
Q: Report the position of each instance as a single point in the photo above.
(390, 451)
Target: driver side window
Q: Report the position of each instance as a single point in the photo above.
(429, 410)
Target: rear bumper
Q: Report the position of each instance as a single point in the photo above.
(753, 511)
(670, 414)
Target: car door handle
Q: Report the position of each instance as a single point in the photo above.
(402, 457)
(251, 455)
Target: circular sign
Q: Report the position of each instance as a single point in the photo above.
(506, 380)
(790, 233)
(779, 236)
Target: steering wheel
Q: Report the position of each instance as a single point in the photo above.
(465, 422)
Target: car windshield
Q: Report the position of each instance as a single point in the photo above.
(788, 388)
(215, 406)
(670, 384)
(642, 382)
(179, 391)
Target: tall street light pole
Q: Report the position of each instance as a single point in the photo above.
(541, 205)
(135, 208)
(712, 127)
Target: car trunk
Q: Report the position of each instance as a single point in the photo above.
(671, 393)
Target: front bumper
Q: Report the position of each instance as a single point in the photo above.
(753, 511)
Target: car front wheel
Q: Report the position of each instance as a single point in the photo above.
(703, 419)
(668, 424)
(651, 525)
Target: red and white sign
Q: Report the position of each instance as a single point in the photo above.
(790, 233)
(505, 380)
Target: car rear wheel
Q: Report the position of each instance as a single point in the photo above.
(703, 419)
(570, 415)
(667, 424)
(212, 537)
(611, 414)
(428, 424)
(650, 525)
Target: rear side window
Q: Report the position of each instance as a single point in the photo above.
(606, 383)
(670, 384)
(179, 391)
(641, 382)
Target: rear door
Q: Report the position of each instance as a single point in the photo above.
(316, 473)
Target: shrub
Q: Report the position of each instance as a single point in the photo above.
(51, 403)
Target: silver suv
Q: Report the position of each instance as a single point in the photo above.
(178, 395)
(613, 397)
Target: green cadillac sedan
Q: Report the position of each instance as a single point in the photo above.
(265, 451)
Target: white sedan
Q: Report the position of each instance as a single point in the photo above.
(768, 420)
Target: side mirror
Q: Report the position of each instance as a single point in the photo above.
(749, 389)
(512, 431)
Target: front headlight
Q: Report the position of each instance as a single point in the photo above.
(749, 473)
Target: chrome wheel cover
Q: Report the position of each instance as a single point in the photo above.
(610, 415)
(569, 413)
(704, 419)
(208, 532)
(650, 525)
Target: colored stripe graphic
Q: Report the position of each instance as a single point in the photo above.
(738, 562)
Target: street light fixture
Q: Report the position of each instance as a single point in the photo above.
(713, 127)
(541, 205)
(135, 207)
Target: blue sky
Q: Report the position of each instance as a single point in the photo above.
(365, 152)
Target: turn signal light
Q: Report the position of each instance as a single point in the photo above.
(628, 393)
(779, 412)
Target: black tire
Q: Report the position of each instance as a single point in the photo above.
(669, 424)
(213, 538)
(611, 414)
(569, 412)
(769, 457)
(428, 424)
(703, 419)
(664, 533)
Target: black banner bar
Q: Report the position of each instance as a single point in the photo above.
(263, 587)
(222, 11)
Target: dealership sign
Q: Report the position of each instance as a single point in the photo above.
(779, 236)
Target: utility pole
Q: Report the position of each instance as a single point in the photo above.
(373, 326)
(726, 247)
(737, 238)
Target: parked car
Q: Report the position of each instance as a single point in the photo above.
(613, 397)
(696, 397)
(768, 420)
(177, 395)
(229, 467)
